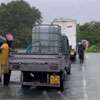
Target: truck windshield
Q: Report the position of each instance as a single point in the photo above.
(46, 39)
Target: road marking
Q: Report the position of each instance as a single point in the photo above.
(46, 95)
(84, 84)
(62, 95)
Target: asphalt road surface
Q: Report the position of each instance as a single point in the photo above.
(82, 84)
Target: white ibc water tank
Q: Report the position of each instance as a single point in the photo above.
(46, 39)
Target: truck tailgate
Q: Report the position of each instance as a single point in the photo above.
(27, 62)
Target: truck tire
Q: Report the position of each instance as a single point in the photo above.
(22, 80)
(61, 82)
(61, 86)
(69, 70)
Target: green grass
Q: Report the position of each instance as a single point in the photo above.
(94, 48)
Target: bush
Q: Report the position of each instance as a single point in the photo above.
(94, 48)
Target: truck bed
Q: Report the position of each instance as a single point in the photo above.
(30, 62)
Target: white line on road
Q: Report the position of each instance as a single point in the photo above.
(84, 84)
(46, 95)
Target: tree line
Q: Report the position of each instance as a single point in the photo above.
(18, 17)
(89, 31)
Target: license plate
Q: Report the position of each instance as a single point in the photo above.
(55, 79)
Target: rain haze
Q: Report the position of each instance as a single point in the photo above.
(81, 10)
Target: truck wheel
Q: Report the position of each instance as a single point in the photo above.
(61, 82)
(69, 70)
(22, 80)
(61, 86)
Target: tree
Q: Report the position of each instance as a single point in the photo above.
(89, 31)
(19, 18)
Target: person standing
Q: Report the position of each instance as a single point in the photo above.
(2, 39)
(4, 62)
(81, 50)
(10, 39)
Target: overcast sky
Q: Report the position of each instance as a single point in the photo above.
(81, 10)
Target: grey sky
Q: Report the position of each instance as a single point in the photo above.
(81, 10)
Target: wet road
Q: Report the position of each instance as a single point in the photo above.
(82, 84)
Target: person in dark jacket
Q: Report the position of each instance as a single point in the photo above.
(81, 50)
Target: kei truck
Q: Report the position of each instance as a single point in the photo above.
(47, 61)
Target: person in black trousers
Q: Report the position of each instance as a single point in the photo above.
(7, 75)
(4, 61)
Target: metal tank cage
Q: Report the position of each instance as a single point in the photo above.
(46, 39)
